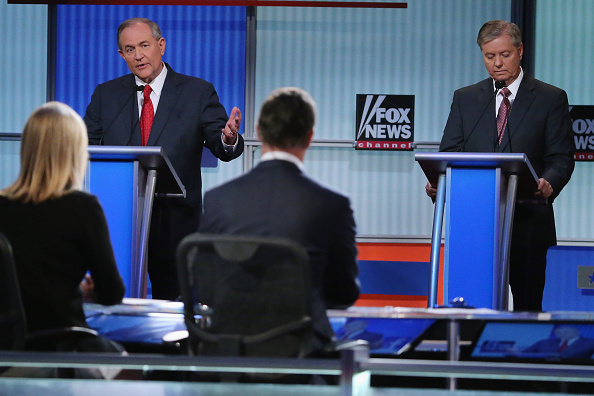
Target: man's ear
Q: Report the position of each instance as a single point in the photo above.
(162, 44)
(309, 137)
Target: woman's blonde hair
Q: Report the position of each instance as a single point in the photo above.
(54, 154)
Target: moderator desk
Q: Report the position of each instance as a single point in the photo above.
(360, 367)
(438, 333)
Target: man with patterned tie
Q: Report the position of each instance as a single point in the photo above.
(533, 118)
(156, 106)
(565, 342)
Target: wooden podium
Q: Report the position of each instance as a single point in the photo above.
(478, 192)
(125, 180)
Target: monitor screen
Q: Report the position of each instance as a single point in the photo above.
(137, 321)
(142, 329)
(535, 341)
(386, 336)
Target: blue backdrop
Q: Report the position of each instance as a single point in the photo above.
(205, 42)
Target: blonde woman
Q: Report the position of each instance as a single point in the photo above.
(58, 232)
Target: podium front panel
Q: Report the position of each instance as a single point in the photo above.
(114, 184)
(471, 235)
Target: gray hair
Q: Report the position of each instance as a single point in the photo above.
(493, 29)
(155, 30)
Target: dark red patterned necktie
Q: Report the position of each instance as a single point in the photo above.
(147, 115)
(563, 346)
(504, 109)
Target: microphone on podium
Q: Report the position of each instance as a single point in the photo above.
(137, 88)
(498, 85)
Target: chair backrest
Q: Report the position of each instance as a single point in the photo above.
(13, 325)
(254, 294)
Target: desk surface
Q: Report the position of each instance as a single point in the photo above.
(390, 330)
(64, 387)
(144, 307)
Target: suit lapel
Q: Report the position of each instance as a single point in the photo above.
(135, 139)
(521, 105)
(172, 89)
(129, 114)
(486, 125)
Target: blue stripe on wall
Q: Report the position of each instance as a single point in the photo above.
(394, 277)
(206, 42)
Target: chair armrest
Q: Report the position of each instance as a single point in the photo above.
(54, 339)
(350, 344)
(332, 349)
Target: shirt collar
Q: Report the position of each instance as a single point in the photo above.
(513, 87)
(157, 83)
(283, 156)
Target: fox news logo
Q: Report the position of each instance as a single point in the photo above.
(385, 122)
(582, 123)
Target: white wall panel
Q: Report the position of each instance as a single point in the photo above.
(23, 60)
(564, 57)
(9, 162)
(386, 189)
(428, 50)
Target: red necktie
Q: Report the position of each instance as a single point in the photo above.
(504, 109)
(147, 115)
(562, 347)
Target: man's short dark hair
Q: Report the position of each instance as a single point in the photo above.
(155, 30)
(493, 29)
(286, 118)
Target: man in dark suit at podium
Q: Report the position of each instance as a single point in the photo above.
(277, 199)
(156, 106)
(512, 112)
(567, 344)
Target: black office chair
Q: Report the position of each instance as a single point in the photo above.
(13, 325)
(245, 296)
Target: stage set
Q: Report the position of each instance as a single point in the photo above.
(436, 315)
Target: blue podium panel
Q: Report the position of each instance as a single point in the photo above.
(114, 184)
(125, 180)
(471, 249)
(569, 282)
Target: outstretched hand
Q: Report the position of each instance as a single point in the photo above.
(232, 127)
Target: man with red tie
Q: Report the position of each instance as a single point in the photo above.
(512, 112)
(156, 106)
(566, 342)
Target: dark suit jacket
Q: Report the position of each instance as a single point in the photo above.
(189, 117)
(55, 243)
(277, 199)
(539, 125)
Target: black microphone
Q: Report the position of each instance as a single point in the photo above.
(498, 85)
(136, 88)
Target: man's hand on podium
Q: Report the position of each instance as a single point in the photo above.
(545, 189)
(430, 190)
